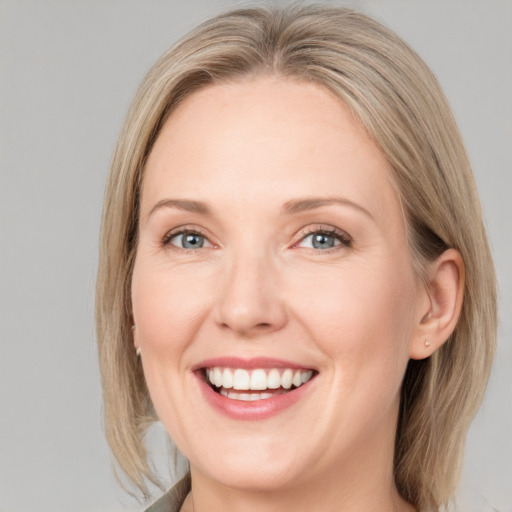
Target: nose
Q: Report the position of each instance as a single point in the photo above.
(251, 300)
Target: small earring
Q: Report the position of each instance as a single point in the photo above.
(427, 343)
(133, 327)
(138, 351)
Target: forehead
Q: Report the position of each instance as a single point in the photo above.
(233, 140)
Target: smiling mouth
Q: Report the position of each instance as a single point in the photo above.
(258, 384)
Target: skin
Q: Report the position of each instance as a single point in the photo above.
(355, 313)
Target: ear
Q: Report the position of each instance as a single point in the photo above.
(132, 329)
(439, 305)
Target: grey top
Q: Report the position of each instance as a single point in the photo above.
(173, 499)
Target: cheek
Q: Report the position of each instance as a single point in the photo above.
(168, 306)
(168, 309)
(362, 319)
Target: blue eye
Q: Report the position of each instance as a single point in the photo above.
(188, 240)
(323, 240)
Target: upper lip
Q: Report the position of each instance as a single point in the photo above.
(249, 363)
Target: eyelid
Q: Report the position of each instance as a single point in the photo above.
(185, 229)
(344, 238)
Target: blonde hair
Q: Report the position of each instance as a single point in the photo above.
(399, 101)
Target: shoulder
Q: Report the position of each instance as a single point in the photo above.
(173, 499)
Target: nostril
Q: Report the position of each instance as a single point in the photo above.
(244, 330)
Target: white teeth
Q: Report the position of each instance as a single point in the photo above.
(256, 380)
(286, 379)
(217, 377)
(227, 379)
(241, 379)
(245, 397)
(305, 376)
(274, 379)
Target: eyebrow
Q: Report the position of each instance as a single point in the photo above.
(181, 204)
(291, 207)
(310, 203)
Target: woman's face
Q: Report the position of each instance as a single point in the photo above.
(272, 256)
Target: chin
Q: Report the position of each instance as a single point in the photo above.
(258, 468)
(255, 477)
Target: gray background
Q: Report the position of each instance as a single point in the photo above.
(68, 70)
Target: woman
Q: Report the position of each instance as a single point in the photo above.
(294, 275)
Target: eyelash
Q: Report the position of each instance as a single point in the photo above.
(166, 241)
(344, 239)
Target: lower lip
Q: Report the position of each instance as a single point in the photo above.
(255, 410)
